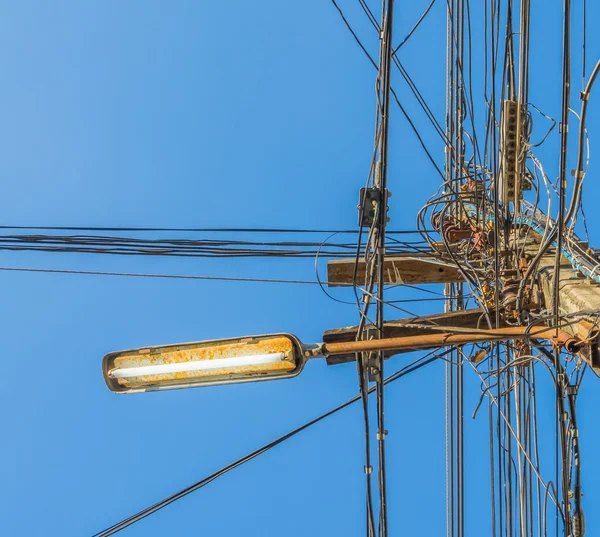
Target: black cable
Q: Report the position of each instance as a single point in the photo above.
(402, 109)
(411, 84)
(382, 148)
(418, 23)
(194, 230)
(532, 267)
(191, 247)
(584, 39)
(577, 511)
(199, 484)
(561, 441)
(350, 29)
(168, 276)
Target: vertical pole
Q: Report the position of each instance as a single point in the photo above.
(384, 87)
(561, 471)
(449, 288)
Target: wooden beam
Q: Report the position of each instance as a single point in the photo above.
(473, 319)
(399, 270)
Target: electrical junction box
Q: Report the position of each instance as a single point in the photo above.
(369, 199)
(511, 129)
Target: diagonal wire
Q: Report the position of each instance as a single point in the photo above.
(402, 109)
(168, 276)
(414, 28)
(414, 366)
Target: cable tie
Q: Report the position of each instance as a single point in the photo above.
(368, 469)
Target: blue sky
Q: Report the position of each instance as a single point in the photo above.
(213, 114)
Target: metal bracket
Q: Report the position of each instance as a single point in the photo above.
(571, 390)
(374, 372)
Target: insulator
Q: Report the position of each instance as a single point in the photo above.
(578, 523)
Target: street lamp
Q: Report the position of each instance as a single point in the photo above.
(279, 356)
(189, 365)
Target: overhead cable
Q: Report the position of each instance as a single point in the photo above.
(418, 364)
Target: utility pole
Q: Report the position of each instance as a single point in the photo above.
(577, 293)
(535, 284)
(379, 228)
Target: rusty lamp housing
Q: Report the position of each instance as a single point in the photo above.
(205, 363)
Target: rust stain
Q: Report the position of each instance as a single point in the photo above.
(479, 356)
(207, 351)
(587, 331)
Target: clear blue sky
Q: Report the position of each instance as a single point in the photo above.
(214, 114)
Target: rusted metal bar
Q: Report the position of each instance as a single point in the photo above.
(410, 326)
(444, 339)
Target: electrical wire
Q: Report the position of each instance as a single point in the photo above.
(416, 365)
(167, 276)
(198, 230)
(414, 28)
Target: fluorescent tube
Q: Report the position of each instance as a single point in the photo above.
(199, 365)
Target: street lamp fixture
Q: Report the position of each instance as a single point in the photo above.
(279, 356)
(205, 363)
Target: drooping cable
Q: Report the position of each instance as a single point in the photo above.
(418, 364)
(414, 28)
(166, 276)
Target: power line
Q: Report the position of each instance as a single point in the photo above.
(208, 278)
(180, 247)
(416, 365)
(168, 276)
(417, 24)
(402, 109)
(202, 229)
(379, 226)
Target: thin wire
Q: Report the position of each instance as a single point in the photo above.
(414, 366)
(402, 109)
(380, 224)
(203, 230)
(418, 23)
(583, 48)
(168, 276)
